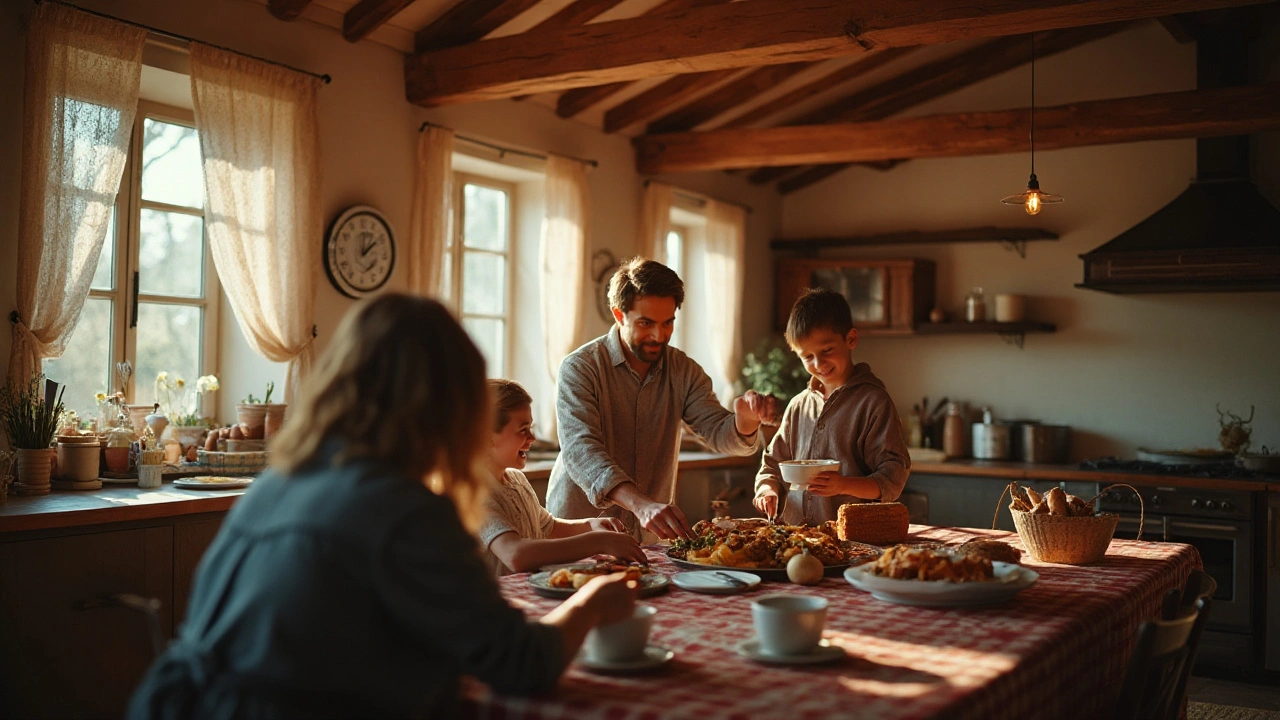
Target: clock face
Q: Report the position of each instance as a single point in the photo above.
(360, 251)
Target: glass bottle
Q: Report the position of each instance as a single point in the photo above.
(975, 307)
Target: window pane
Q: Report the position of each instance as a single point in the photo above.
(85, 367)
(104, 277)
(675, 252)
(490, 336)
(484, 284)
(485, 213)
(171, 261)
(171, 170)
(169, 340)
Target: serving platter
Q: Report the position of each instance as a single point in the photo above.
(650, 584)
(770, 574)
(212, 482)
(1010, 579)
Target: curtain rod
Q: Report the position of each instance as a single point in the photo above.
(500, 149)
(322, 78)
(700, 198)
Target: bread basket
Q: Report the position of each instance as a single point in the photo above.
(1068, 540)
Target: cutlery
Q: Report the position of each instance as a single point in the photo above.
(730, 579)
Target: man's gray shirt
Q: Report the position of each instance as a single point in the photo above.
(616, 427)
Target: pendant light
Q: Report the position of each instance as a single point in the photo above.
(1034, 197)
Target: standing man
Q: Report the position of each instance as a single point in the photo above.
(620, 402)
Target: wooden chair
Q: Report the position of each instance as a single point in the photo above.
(1155, 683)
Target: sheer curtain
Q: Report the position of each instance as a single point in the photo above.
(80, 100)
(431, 218)
(655, 221)
(563, 262)
(258, 139)
(726, 234)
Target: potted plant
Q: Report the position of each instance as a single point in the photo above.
(771, 369)
(182, 411)
(30, 416)
(260, 419)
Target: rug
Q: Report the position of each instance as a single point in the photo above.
(1210, 711)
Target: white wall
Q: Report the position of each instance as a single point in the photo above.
(368, 135)
(1124, 371)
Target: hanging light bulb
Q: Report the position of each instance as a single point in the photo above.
(1034, 197)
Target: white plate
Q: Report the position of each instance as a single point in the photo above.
(654, 656)
(1010, 579)
(709, 581)
(651, 584)
(212, 482)
(824, 652)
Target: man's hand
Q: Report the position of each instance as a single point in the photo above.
(607, 523)
(766, 501)
(665, 521)
(752, 410)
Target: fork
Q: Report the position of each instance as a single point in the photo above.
(730, 579)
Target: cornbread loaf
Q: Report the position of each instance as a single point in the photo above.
(873, 523)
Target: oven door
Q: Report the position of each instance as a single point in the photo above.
(1226, 550)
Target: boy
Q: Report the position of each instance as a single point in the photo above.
(844, 414)
(518, 534)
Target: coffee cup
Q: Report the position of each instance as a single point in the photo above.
(789, 624)
(623, 640)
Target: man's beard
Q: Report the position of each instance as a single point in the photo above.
(648, 352)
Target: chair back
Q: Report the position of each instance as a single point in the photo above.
(1155, 682)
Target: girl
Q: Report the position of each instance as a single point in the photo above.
(519, 534)
(346, 583)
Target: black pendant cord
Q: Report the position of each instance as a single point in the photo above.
(1033, 105)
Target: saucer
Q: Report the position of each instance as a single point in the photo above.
(654, 656)
(824, 652)
(713, 582)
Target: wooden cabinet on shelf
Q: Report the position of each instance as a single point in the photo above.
(67, 651)
(886, 297)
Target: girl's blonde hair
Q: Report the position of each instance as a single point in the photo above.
(402, 386)
(508, 397)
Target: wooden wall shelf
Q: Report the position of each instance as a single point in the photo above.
(1013, 333)
(1014, 237)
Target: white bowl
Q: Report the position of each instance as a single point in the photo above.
(800, 472)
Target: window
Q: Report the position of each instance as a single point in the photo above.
(676, 242)
(478, 266)
(154, 297)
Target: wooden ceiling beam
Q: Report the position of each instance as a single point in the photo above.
(667, 94)
(468, 21)
(287, 9)
(726, 98)
(735, 35)
(933, 80)
(916, 237)
(369, 15)
(578, 12)
(1165, 116)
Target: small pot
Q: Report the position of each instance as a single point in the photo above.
(35, 467)
(253, 418)
(1045, 443)
(991, 441)
(1263, 462)
(273, 420)
(78, 461)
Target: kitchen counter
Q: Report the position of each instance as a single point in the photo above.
(1011, 470)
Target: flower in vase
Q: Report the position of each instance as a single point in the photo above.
(174, 396)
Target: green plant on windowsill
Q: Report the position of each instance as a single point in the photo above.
(772, 369)
(28, 420)
(266, 399)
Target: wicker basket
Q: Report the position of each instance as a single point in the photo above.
(1068, 540)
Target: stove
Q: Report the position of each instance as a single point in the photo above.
(1218, 470)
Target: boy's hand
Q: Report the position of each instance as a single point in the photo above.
(606, 523)
(622, 546)
(766, 501)
(829, 483)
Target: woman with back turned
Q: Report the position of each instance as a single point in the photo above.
(346, 582)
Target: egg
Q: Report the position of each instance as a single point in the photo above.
(804, 569)
(236, 433)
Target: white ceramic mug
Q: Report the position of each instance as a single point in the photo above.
(789, 624)
(623, 640)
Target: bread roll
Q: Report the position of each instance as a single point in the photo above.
(1057, 500)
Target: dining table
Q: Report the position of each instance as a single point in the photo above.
(1056, 650)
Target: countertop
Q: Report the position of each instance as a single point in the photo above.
(1009, 470)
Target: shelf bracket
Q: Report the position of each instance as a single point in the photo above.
(1014, 338)
(1018, 246)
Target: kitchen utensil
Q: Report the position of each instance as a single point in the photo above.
(1045, 443)
(1263, 462)
(991, 440)
(730, 579)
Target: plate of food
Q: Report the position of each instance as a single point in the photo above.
(763, 548)
(564, 580)
(212, 482)
(940, 577)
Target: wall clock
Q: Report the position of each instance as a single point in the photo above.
(359, 251)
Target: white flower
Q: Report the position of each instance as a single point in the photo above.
(162, 377)
(208, 383)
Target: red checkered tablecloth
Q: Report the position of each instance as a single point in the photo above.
(1058, 650)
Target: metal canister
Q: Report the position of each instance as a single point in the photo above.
(991, 440)
(1045, 443)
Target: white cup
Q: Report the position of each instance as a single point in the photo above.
(789, 624)
(622, 640)
(1011, 308)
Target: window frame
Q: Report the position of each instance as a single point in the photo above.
(127, 256)
(457, 250)
(678, 335)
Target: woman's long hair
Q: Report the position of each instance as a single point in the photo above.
(400, 385)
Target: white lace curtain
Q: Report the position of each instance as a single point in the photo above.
(563, 258)
(431, 218)
(261, 154)
(726, 238)
(80, 100)
(655, 221)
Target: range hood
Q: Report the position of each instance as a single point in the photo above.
(1220, 234)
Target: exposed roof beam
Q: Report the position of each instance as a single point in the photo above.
(1177, 29)
(916, 237)
(287, 9)
(742, 34)
(578, 12)
(1165, 116)
(938, 78)
(667, 94)
(367, 16)
(468, 21)
(726, 97)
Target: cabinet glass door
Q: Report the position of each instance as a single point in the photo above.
(864, 288)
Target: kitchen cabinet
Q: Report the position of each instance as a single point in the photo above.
(1272, 602)
(970, 501)
(67, 651)
(886, 297)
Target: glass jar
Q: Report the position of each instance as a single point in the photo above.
(975, 306)
(953, 435)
